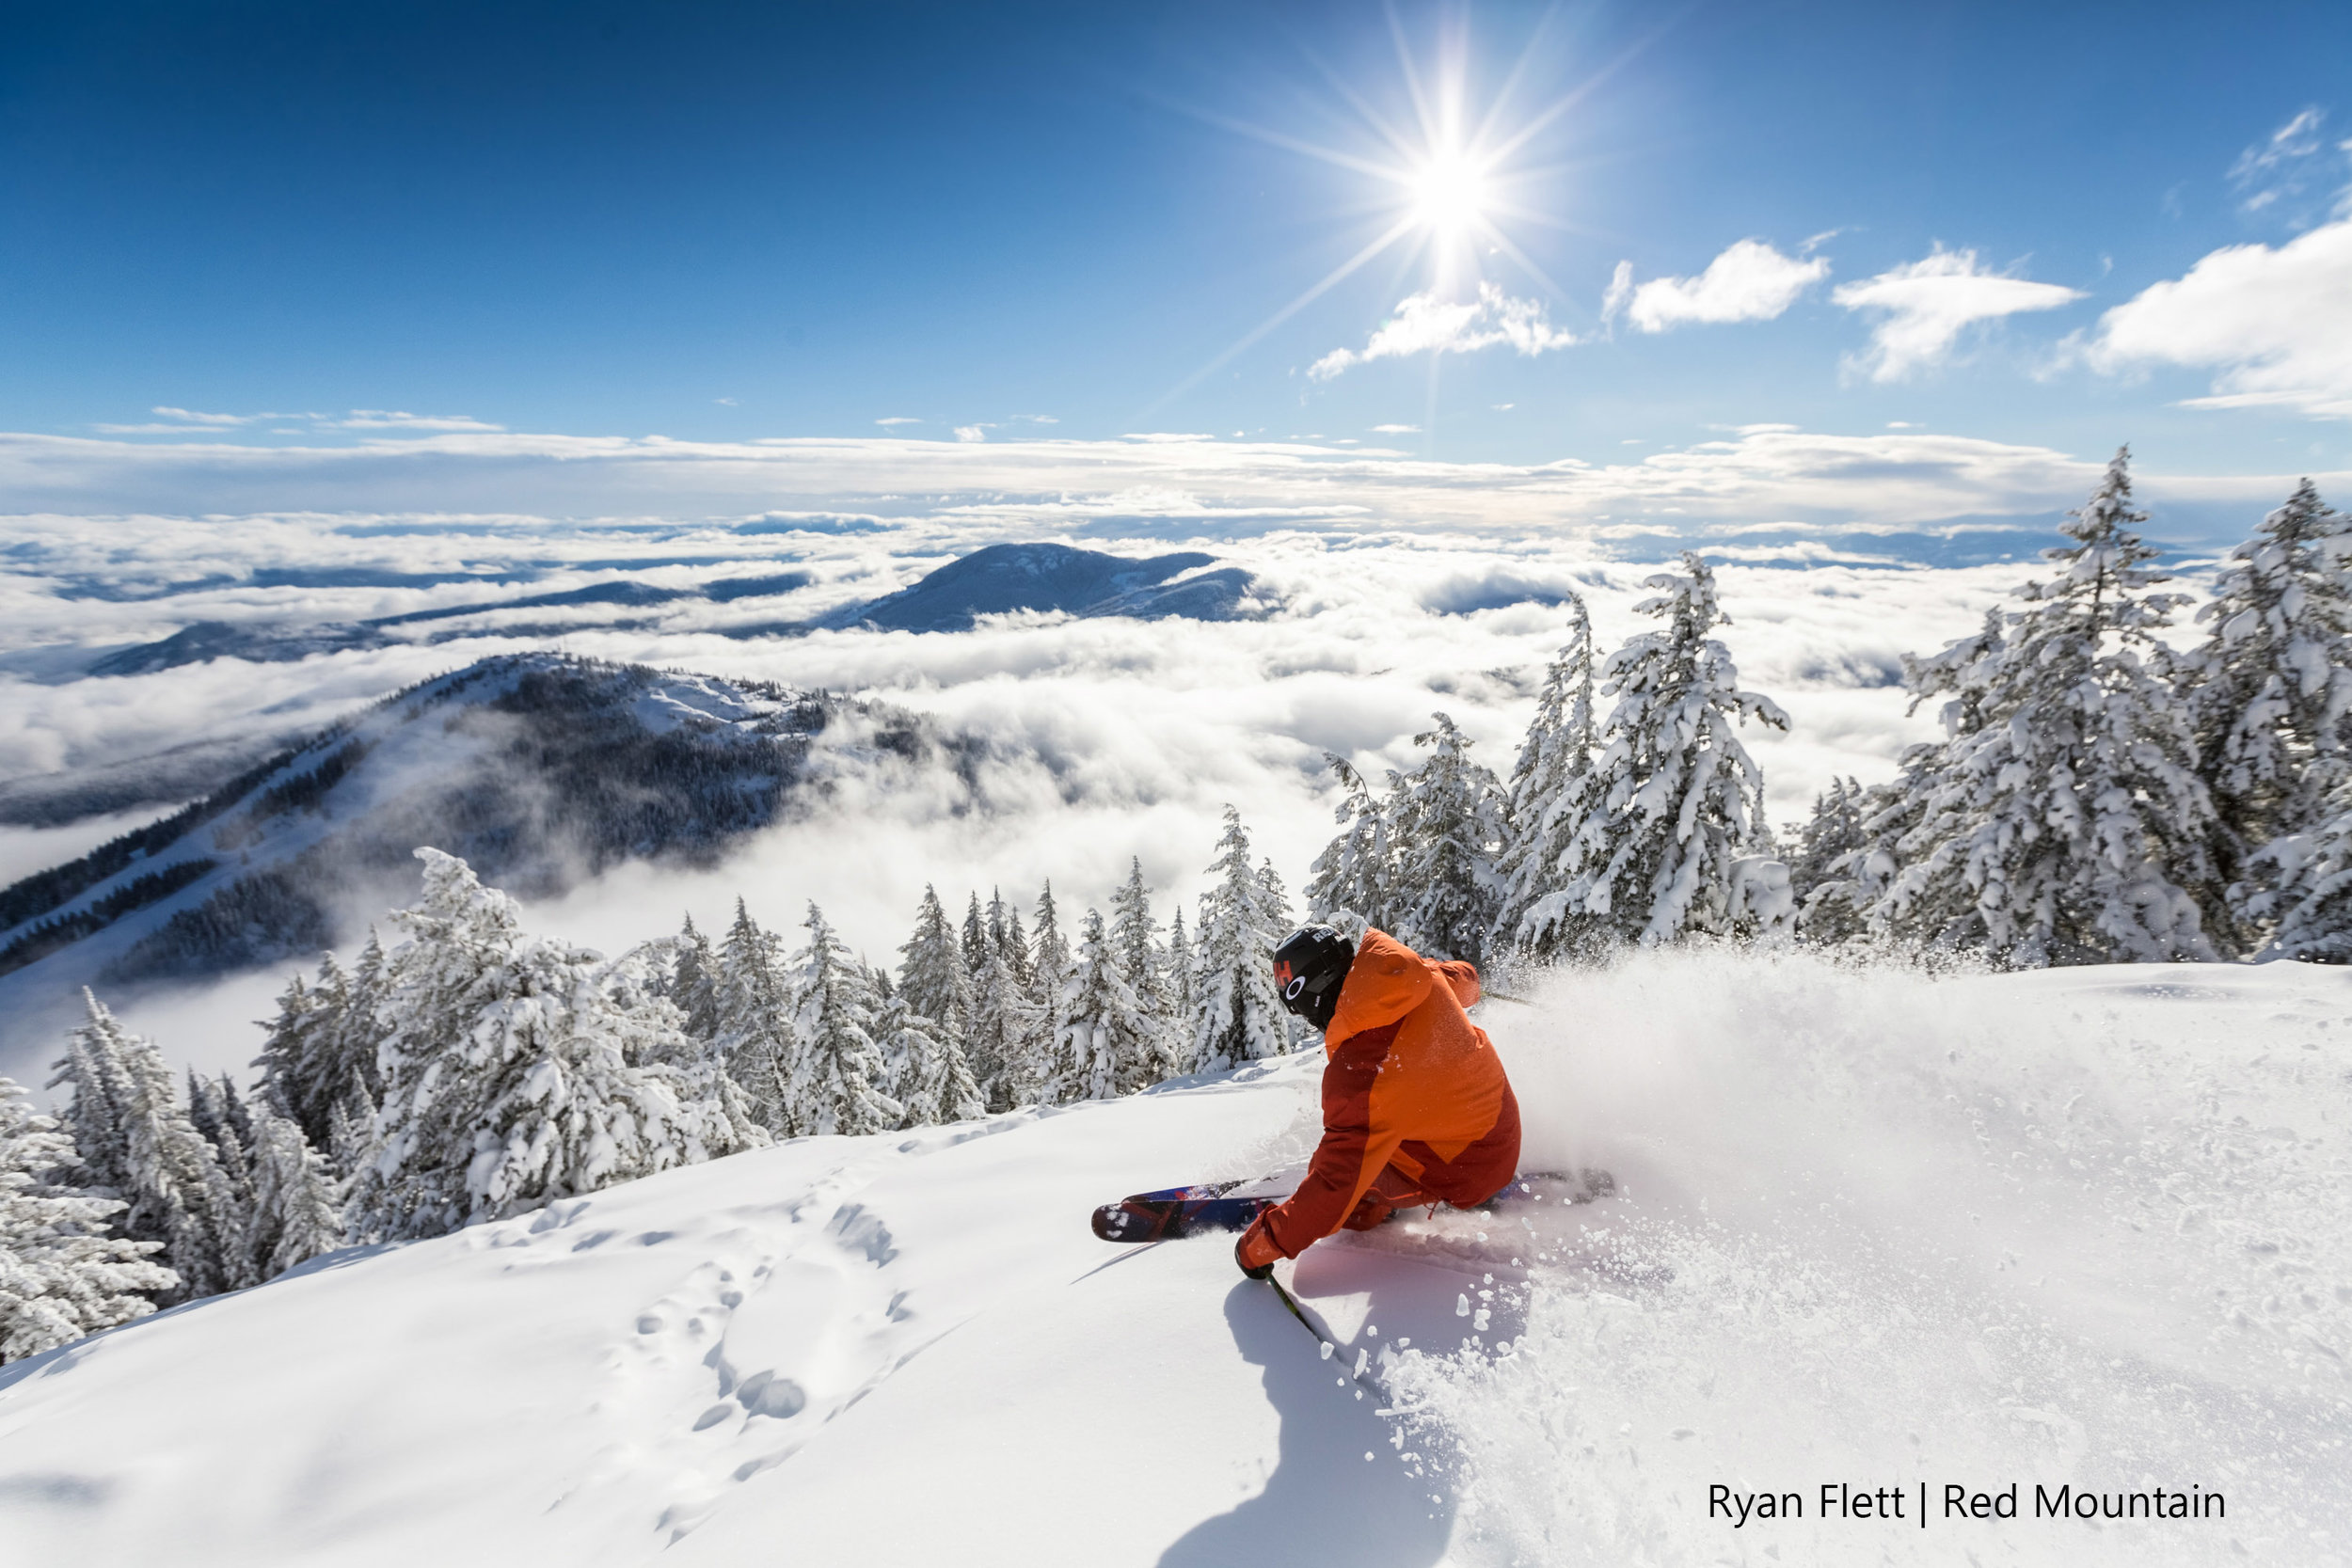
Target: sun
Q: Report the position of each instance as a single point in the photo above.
(1449, 193)
(1443, 171)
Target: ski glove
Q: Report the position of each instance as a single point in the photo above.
(1255, 1251)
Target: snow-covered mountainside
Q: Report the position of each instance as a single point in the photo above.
(1060, 578)
(539, 769)
(991, 580)
(2079, 1228)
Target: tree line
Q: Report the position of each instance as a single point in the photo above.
(2097, 795)
(473, 1071)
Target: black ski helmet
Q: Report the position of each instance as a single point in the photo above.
(1308, 968)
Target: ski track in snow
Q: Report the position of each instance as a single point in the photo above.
(2084, 1228)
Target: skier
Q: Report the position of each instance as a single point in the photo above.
(1416, 1108)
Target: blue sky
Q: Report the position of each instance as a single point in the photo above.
(726, 222)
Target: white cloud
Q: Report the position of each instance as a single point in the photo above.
(189, 416)
(2280, 169)
(728, 402)
(1397, 429)
(2274, 325)
(896, 420)
(1424, 325)
(1923, 305)
(971, 433)
(1749, 281)
(393, 419)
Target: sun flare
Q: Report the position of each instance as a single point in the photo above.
(1449, 192)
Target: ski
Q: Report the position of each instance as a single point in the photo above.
(1175, 1212)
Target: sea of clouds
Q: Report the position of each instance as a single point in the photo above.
(1399, 587)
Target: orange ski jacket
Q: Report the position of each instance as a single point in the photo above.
(1410, 1084)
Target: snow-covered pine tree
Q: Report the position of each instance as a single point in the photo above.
(219, 1116)
(1357, 873)
(1823, 865)
(1183, 977)
(1558, 750)
(1002, 1046)
(1236, 1015)
(642, 983)
(752, 1021)
(2271, 689)
(1004, 923)
(1049, 969)
(835, 1060)
(2301, 888)
(291, 1045)
(1110, 1043)
(351, 1145)
(322, 1045)
(62, 1275)
(1150, 972)
(1447, 826)
(976, 941)
(508, 1069)
(1134, 939)
(2062, 820)
(1651, 835)
(693, 981)
(932, 976)
(134, 1141)
(298, 1210)
(928, 1074)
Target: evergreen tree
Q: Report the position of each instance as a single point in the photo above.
(509, 1075)
(1448, 826)
(1236, 1015)
(1138, 956)
(62, 1276)
(2270, 691)
(291, 1047)
(1111, 1044)
(2302, 888)
(1049, 975)
(1005, 1022)
(643, 983)
(322, 1045)
(134, 1141)
(1823, 867)
(1538, 816)
(977, 942)
(1150, 970)
(835, 1060)
(219, 1117)
(932, 976)
(1005, 923)
(2062, 820)
(298, 1210)
(750, 1006)
(925, 1067)
(1357, 872)
(693, 983)
(1649, 838)
(1183, 973)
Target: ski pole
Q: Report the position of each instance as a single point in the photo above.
(1332, 1347)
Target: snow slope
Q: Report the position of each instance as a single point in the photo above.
(2085, 1226)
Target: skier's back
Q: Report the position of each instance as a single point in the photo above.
(1416, 1108)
